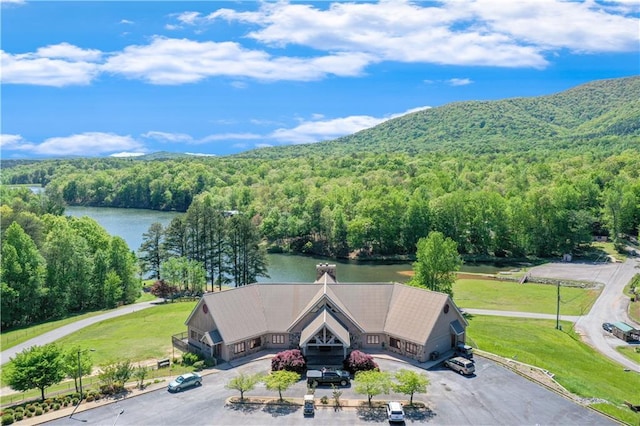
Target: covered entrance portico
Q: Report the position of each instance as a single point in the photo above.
(325, 339)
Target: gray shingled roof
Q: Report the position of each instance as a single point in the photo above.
(397, 309)
(325, 319)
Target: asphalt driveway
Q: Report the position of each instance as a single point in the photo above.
(494, 396)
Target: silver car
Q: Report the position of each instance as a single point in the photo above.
(461, 365)
(185, 381)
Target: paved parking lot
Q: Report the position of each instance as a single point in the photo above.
(493, 396)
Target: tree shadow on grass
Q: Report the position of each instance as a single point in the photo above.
(280, 408)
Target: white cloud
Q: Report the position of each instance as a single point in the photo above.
(549, 24)
(54, 65)
(317, 130)
(127, 154)
(168, 137)
(90, 143)
(8, 141)
(178, 61)
(126, 22)
(69, 52)
(482, 32)
(459, 81)
(188, 18)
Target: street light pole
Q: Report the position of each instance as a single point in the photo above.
(79, 381)
(80, 374)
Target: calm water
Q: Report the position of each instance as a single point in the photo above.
(130, 224)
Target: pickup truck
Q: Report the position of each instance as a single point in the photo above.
(320, 377)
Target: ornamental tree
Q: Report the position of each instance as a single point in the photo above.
(410, 382)
(281, 381)
(290, 360)
(244, 382)
(37, 367)
(359, 361)
(372, 383)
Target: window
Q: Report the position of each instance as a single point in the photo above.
(411, 348)
(373, 340)
(278, 339)
(394, 343)
(254, 343)
(195, 335)
(239, 347)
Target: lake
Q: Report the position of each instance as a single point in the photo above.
(130, 224)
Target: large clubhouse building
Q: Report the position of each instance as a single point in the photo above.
(324, 317)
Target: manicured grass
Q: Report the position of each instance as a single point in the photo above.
(511, 296)
(632, 352)
(135, 337)
(15, 337)
(576, 366)
(138, 336)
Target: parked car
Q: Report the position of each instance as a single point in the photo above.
(309, 406)
(395, 412)
(607, 326)
(461, 365)
(464, 351)
(324, 376)
(184, 381)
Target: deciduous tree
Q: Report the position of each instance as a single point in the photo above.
(410, 382)
(244, 382)
(281, 381)
(372, 383)
(436, 264)
(37, 367)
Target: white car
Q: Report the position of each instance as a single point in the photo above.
(395, 412)
(185, 381)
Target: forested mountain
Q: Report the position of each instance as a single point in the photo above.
(511, 178)
(578, 118)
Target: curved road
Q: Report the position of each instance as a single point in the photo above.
(611, 305)
(5, 356)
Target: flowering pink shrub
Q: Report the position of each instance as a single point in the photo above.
(359, 361)
(291, 360)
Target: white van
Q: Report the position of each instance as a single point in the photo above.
(461, 365)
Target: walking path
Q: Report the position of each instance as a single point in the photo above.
(43, 339)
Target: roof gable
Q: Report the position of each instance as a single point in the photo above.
(413, 312)
(325, 319)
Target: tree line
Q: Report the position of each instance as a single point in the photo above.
(539, 203)
(54, 265)
(208, 242)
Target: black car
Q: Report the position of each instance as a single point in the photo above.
(607, 326)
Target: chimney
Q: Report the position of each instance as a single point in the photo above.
(325, 268)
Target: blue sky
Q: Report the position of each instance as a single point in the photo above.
(220, 77)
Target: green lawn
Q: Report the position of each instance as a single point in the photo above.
(511, 296)
(576, 366)
(631, 352)
(138, 336)
(15, 337)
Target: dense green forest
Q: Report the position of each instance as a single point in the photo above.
(511, 178)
